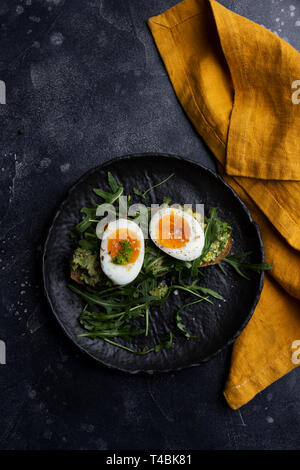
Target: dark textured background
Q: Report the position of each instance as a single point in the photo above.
(85, 82)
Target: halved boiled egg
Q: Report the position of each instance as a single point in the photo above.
(122, 251)
(177, 233)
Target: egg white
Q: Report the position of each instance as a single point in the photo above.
(194, 246)
(118, 273)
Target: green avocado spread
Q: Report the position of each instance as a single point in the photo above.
(219, 244)
(87, 264)
(223, 235)
(160, 291)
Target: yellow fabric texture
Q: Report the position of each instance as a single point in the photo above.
(234, 79)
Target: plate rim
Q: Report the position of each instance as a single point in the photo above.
(60, 209)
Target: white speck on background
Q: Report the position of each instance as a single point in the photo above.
(269, 396)
(32, 393)
(45, 162)
(13, 183)
(19, 10)
(100, 444)
(47, 434)
(292, 7)
(88, 427)
(242, 420)
(269, 419)
(297, 23)
(56, 39)
(65, 167)
(55, 2)
(34, 323)
(35, 19)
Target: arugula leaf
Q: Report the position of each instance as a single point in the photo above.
(89, 244)
(179, 323)
(222, 268)
(210, 235)
(94, 299)
(110, 198)
(139, 193)
(167, 344)
(190, 289)
(142, 195)
(236, 262)
(122, 333)
(117, 190)
(86, 222)
(114, 186)
(210, 292)
(167, 200)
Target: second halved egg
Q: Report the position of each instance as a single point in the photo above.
(177, 233)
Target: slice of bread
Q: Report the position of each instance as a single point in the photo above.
(75, 275)
(222, 255)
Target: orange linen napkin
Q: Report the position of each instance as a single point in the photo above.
(236, 81)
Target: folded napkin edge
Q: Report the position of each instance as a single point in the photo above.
(237, 395)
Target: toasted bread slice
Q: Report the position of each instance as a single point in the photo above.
(222, 255)
(75, 275)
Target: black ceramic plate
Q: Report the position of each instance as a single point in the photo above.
(215, 326)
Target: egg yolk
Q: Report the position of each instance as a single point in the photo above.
(113, 245)
(173, 231)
